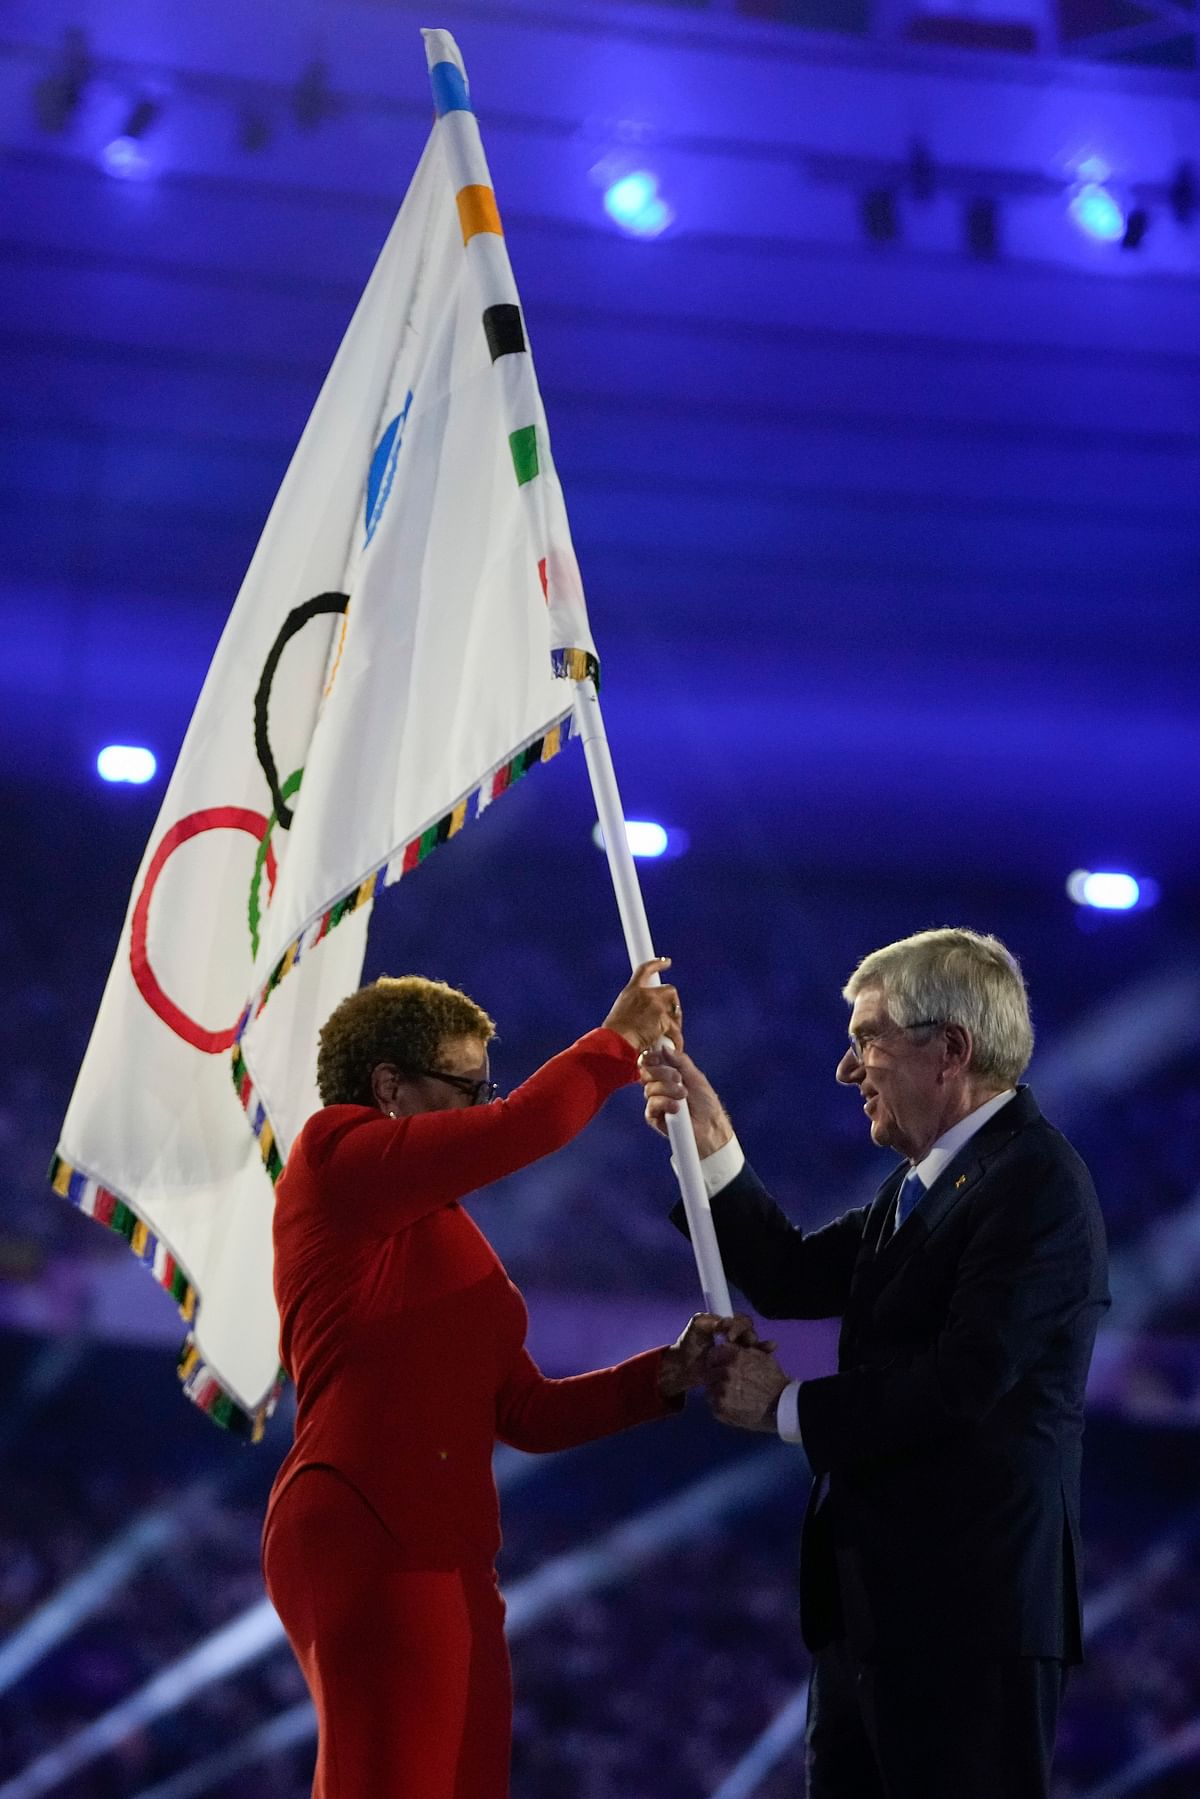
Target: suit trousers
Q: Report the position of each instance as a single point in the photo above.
(920, 1727)
(407, 1666)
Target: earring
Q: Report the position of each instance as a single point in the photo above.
(392, 1112)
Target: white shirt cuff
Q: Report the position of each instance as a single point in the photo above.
(787, 1413)
(723, 1166)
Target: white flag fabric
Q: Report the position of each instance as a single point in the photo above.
(392, 664)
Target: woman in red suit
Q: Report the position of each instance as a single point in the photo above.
(405, 1340)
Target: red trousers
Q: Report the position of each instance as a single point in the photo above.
(407, 1666)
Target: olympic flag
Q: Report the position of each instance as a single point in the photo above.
(391, 665)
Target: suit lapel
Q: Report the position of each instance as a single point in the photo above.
(954, 1183)
(879, 1222)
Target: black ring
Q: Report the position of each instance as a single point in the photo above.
(295, 621)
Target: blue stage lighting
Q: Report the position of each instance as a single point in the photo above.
(646, 839)
(127, 158)
(634, 203)
(126, 762)
(1098, 213)
(1109, 890)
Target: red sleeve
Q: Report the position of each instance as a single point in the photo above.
(537, 1414)
(393, 1171)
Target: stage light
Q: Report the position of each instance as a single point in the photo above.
(647, 840)
(1098, 213)
(922, 176)
(878, 213)
(1110, 890)
(981, 224)
(634, 203)
(126, 762)
(1183, 195)
(1136, 226)
(254, 132)
(59, 95)
(142, 115)
(127, 157)
(313, 100)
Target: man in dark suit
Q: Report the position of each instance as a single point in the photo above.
(940, 1555)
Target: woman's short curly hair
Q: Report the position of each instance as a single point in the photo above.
(403, 1020)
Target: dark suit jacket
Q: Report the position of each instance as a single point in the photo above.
(945, 1509)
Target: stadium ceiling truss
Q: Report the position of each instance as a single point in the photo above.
(1143, 33)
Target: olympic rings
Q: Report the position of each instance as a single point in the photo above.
(213, 818)
(234, 818)
(295, 621)
(265, 855)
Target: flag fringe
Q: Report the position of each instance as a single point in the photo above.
(108, 1208)
(199, 1382)
(204, 1389)
(401, 862)
(576, 665)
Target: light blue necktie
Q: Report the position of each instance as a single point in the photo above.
(911, 1194)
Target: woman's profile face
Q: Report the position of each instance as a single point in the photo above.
(465, 1060)
(459, 1077)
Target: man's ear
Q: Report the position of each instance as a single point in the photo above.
(960, 1046)
(385, 1085)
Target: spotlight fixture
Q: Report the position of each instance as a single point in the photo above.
(126, 762)
(878, 213)
(981, 225)
(920, 170)
(254, 131)
(1137, 223)
(58, 96)
(142, 115)
(634, 203)
(126, 159)
(313, 100)
(1110, 890)
(647, 840)
(1183, 196)
(127, 156)
(1098, 213)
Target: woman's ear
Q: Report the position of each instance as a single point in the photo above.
(385, 1087)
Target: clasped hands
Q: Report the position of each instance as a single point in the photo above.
(739, 1372)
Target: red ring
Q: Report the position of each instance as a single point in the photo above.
(214, 818)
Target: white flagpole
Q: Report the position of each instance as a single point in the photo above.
(589, 725)
(483, 241)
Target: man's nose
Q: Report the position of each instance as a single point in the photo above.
(849, 1070)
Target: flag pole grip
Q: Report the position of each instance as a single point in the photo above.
(589, 725)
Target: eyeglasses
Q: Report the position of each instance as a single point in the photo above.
(478, 1092)
(861, 1041)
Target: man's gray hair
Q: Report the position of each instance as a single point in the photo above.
(956, 977)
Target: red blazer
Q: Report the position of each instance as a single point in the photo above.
(403, 1334)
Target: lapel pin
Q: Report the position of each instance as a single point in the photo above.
(961, 1181)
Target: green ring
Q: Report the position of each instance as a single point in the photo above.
(290, 787)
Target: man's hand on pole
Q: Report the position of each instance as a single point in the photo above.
(669, 1080)
(744, 1382)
